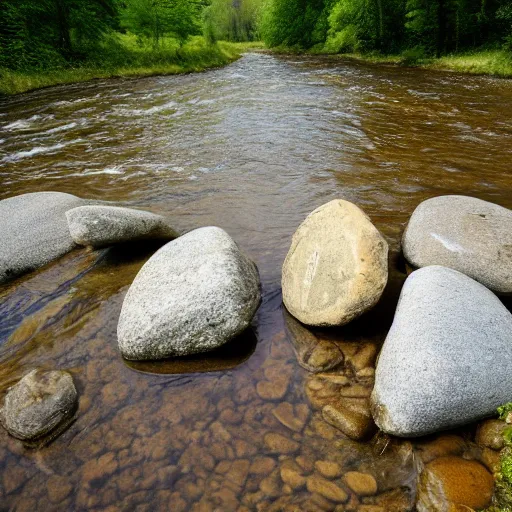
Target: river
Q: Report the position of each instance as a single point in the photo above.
(252, 148)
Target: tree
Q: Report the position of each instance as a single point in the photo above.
(154, 19)
(42, 33)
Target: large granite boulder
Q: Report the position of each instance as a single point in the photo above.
(447, 357)
(34, 231)
(193, 295)
(337, 266)
(100, 226)
(463, 233)
(40, 404)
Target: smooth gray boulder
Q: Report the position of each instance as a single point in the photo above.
(40, 404)
(463, 233)
(99, 226)
(34, 231)
(447, 358)
(193, 295)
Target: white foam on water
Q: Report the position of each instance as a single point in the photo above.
(13, 157)
(60, 128)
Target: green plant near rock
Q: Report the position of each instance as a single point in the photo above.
(503, 490)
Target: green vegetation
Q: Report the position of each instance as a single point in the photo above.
(463, 35)
(48, 42)
(503, 487)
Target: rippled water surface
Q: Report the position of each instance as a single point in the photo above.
(252, 148)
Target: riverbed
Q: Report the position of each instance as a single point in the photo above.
(252, 148)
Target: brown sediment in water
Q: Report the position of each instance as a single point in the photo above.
(252, 148)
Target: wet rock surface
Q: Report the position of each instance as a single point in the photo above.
(463, 233)
(100, 226)
(193, 295)
(448, 482)
(337, 266)
(422, 383)
(34, 231)
(39, 405)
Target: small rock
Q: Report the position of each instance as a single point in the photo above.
(262, 466)
(441, 446)
(337, 266)
(285, 415)
(293, 478)
(490, 434)
(453, 480)
(40, 405)
(441, 315)
(34, 231)
(327, 489)
(362, 484)
(58, 488)
(328, 469)
(193, 295)
(270, 485)
(465, 234)
(351, 416)
(277, 443)
(313, 354)
(100, 226)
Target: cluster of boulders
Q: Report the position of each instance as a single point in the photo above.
(40, 227)
(446, 360)
(444, 363)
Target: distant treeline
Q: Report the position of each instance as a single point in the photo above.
(430, 27)
(51, 34)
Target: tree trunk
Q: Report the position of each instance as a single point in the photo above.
(441, 27)
(63, 27)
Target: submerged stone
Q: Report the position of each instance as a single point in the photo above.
(193, 295)
(34, 231)
(337, 266)
(40, 404)
(447, 357)
(450, 482)
(99, 226)
(463, 233)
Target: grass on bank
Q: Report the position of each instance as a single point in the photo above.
(492, 62)
(126, 56)
(484, 62)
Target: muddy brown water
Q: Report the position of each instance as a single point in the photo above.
(253, 148)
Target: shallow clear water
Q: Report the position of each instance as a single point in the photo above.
(252, 148)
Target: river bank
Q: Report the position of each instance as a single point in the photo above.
(129, 60)
(496, 63)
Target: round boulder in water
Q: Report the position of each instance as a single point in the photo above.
(100, 226)
(337, 266)
(193, 295)
(41, 403)
(34, 231)
(463, 233)
(447, 357)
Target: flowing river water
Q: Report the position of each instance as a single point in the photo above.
(252, 148)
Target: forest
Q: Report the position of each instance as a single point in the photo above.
(49, 38)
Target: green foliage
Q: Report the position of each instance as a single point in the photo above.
(291, 22)
(49, 33)
(155, 19)
(232, 20)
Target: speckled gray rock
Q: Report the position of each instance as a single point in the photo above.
(34, 231)
(463, 233)
(193, 295)
(100, 226)
(337, 266)
(447, 358)
(39, 404)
